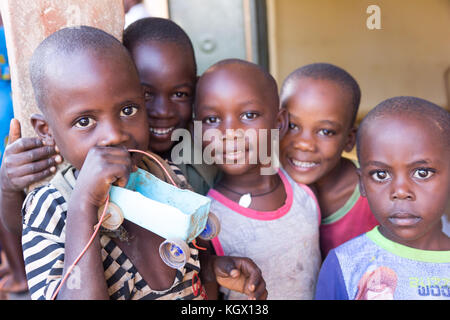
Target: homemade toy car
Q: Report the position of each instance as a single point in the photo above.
(178, 215)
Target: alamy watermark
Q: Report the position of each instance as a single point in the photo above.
(373, 22)
(251, 146)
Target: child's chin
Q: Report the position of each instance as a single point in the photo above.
(236, 169)
(299, 177)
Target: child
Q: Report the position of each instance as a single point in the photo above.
(165, 60)
(403, 148)
(104, 116)
(278, 229)
(172, 87)
(322, 101)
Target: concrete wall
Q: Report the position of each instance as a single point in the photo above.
(408, 56)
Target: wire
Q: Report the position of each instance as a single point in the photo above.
(194, 243)
(69, 270)
(157, 161)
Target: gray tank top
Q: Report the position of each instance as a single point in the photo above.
(283, 243)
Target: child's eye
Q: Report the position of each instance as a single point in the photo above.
(249, 115)
(423, 173)
(84, 122)
(181, 94)
(380, 175)
(148, 96)
(326, 132)
(128, 111)
(292, 126)
(211, 120)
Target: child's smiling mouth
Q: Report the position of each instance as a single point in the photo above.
(303, 165)
(161, 131)
(234, 155)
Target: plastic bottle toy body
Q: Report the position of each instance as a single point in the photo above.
(178, 215)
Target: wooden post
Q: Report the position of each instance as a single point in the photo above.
(28, 22)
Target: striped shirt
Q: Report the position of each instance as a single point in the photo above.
(43, 238)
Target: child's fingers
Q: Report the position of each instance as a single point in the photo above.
(30, 156)
(25, 181)
(36, 166)
(25, 144)
(225, 267)
(256, 289)
(14, 131)
(252, 275)
(122, 178)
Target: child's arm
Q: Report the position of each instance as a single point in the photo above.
(330, 284)
(102, 167)
(25, 161)
(56, 232)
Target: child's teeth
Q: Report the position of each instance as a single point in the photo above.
(303, 164)
(161, 130)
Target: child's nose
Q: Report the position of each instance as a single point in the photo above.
(401, 190)
(161, 107)
(113, 134)
(304, 142)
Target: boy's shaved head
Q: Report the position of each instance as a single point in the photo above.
(156, 29)
(403, 106)
(268, 86)
(57, 51)
(325, 71)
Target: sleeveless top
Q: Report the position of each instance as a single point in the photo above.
(283, 243)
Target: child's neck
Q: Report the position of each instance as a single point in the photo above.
(334, 189)
(434, 240)
(250, 182)
(267, 191)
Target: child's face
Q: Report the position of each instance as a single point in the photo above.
(167, 73)
(100, 104)
(232, 98)
(405, 175)
(319, 129)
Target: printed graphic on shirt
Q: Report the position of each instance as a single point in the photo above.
(379, 284)
(431, 286)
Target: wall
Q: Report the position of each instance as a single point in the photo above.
(408, 56)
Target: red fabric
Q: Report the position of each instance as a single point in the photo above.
(358, 220)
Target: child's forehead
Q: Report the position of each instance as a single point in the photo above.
(316, 88)
(162, 56)
(321, 99)
(90, 73)
(404, 132)
(240, 78)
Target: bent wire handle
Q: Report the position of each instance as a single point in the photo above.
(158, 162)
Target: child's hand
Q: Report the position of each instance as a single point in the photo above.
(241, 275)
(26, 160)
(102, 167)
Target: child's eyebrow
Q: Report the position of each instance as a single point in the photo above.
(77, 113)
(424, 161)
(377, 164)
(330, 122)
(411, 164)
(185, 84)
(249, 102)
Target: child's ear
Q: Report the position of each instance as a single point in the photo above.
(362, 189)
(282, 121)
(351, 140)
(42, 129)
